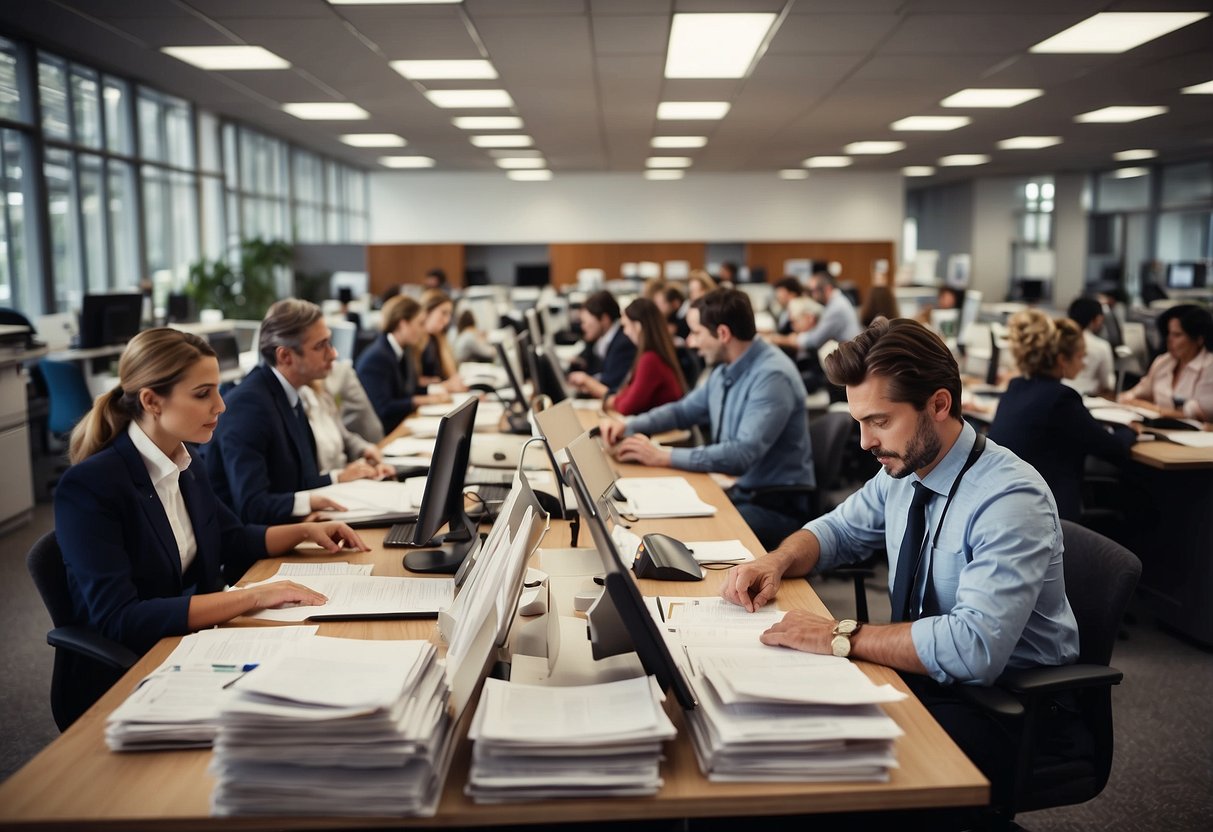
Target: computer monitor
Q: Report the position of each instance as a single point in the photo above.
(227, 349)
(179, 308)
(546, 375)
(619, 621)
(532, 274)
(513, 366)
(1186, 276)
(110, 319)
(535, 326)
(442, 502)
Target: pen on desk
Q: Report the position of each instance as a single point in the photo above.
(244, 672)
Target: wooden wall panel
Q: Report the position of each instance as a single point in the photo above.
(567, 258)
(857, 259)
(388, 265)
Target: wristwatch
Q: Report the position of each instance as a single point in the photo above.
(840, 644)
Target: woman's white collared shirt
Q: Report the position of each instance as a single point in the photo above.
(165, 474)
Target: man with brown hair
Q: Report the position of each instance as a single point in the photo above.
(972, 533)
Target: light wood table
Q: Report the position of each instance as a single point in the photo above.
(77, 783)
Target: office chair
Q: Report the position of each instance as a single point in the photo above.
(68, 393)
(1100, 578)
(86, 663)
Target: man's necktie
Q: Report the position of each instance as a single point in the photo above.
(309, 448)
(910, 554)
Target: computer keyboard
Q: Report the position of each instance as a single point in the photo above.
(489, 476)
(400, 534)
(492, 494)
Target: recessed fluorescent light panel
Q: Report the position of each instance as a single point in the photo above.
(668, 162)
(918, 170)
(931, 123)
(461, 99)
(487, 122)
(873, 148)
(529, 175)
(793, 173)
(1112, 32)
(1029, 142)
(406, 161)
(715, 45)
(1199, 89)
(1129, 173)
(827, 162)
(326, 111)
(961, 160)
(223, 58)
(1134, 155)
(691, 110)
(990, 98)
(664, 174)
(373, 140)
(668, 142)
(502, 141)
(1119, 115)
(445, 70)
(521, 163)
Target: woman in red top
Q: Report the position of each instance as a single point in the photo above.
(655, 378)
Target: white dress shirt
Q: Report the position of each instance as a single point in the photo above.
(1098, 371)
(165, 474)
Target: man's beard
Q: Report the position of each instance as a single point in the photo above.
(920, 451)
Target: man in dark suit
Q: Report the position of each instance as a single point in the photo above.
(609, 354)
(262, 459)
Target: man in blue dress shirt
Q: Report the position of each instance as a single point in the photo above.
(754, 402)
(988, 592)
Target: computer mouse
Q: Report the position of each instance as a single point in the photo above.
(499, 456)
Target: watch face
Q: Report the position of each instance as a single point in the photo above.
(846, 626)
(841, 646)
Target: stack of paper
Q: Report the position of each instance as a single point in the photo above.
(537, 743)
(345, 727)
(769, 713)
(177, 706)
(655, 497)
(370, 499)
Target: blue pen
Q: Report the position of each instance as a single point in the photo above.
(232, 668)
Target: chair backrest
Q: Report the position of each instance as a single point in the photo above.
(1100, 578)
(45, 565)
(68, 393)
(345, 334)
(828, 434)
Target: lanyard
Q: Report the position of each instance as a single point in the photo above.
(978, 446)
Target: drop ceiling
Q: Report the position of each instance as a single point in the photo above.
(586, 76)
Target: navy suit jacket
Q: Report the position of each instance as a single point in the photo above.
(123, 565)
(614, 367)
(256, 459)
(389, 382)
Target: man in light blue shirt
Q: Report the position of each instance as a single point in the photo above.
(988, 592)
(754, 402)
(838, 320)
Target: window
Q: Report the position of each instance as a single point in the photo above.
(1117, 191)
(86, 107)
(1190, 184)
(116, 97)
(64, 230)
(52, 92)
(124, 240)
(10, 89)
(92, 222)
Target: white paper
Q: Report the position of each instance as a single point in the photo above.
(410, 446)
(355, 595)
(657, 497)
(306, 568)
(370, 498)
(719, 551)
(1191, 438)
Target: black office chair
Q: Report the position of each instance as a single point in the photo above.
(1100, 578)
(86, 663)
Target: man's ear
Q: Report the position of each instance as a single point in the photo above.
(723, 333)
(940, 404)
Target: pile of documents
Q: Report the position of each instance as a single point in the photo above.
(657, 497)
(773, 714)
(373, 499)
(343, 727)
(353, 596)
(537, 743)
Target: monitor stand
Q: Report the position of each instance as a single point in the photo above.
(444, 561)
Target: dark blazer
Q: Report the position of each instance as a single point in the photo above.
(615, 365)
(1046, 425)
(390, 382)
(123, 566)
(257, 459)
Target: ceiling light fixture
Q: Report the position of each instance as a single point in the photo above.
(1113, 32)
(391, 2)
(373, 140)
(918, 170)
(529, 175)
(932, 123)
(668, 142)
(873, 148)
(1129, 173)
(793, 173)
(664, 174)
(445, 70)
(827, 162)
(715, 45)
(406, 161)
(1134, 155)
(1029, 142)
(990, 97)
(1199, 89)
(468, 99)
(668, 162)
(1119, 115)
(487, 122)
(521, 163)
(691, 110)
(326, 111)
(502, 141)
(225, 58)
(960, 160)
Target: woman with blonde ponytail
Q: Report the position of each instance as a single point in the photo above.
(1045, 422)
(146, 544)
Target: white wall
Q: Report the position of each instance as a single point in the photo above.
(1069, 237)
(994, 204)
(428, 207)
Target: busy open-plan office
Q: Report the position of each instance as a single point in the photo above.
(639, 414)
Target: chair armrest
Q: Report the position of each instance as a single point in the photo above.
(994, 700)
(1038, 680)
(93, 645)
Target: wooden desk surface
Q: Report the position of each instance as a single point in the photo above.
(77, 782)
(1170, 456)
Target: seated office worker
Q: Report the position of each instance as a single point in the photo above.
(754, 402)
(387, 368)
(975, 569)
(1098, 374)
(146, 544)
(1180, 381)
(340, 453)
(1043, 421)
(608, 354)
(263, 457)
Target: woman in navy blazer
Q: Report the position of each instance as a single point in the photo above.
(387, 368)
(1045, 422)
(146, 544)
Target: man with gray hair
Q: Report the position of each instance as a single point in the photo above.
(262, 458)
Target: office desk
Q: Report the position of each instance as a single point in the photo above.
(77, 783)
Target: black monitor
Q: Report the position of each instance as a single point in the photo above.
(546, 374)
(110, 319)
(227, 349)
(1186, 276)
(619, 621)
(532, 274)
(442, 502)
(515, 382)
(179, 308)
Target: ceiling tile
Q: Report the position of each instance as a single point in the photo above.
(831, 33)
(631, 35)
